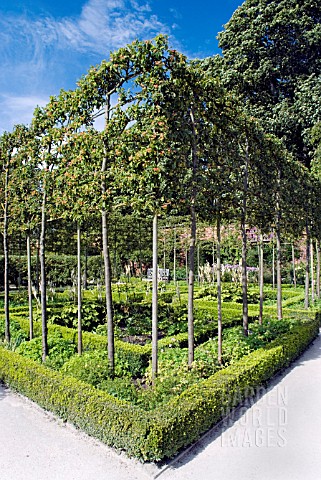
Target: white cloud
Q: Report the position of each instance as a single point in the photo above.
(44, 54)
(18, 109)
(107, 25)
(102, 25)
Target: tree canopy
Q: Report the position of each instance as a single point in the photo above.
(271, 48)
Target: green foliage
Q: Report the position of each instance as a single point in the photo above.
(92, 315)
(91, 367)
(254, 40)
(59, 350)
(122, 388)
(162, 432)
(60, 270)
(17, 334)
(231, 292)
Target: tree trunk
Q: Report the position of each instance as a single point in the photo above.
(140, 250)
(186, 265)
(164, 252)
(293, 266)
(244, 243)
(79, 293)
(108, 290)
(85, 279)
(273, 266)
(219, 291)
(261, 278)
(312, 271)
(174, 259)
(190, 313)
(190, 307)
(29, 288)
(318, 267)
(278, 274)
(37, 265)
(198, 265)
(42, 248)
(107, 266)
(307, 267)
(155, 301)
(213, 259)
(6, 258)
(278, 251)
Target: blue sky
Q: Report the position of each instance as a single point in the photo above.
(47, 45)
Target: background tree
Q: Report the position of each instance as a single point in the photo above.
(270, 48)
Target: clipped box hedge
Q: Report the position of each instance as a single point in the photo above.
(161, 433)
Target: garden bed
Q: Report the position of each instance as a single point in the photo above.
(161, 432)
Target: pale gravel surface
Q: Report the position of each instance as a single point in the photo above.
(276, 437)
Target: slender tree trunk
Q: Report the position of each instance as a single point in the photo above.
(85, 279)
(191, 288)
(155, 301)
(29, 288)
(261, 278)
(278, 274)
(174, 254)
(273, 266)
(244, 279)
(108, 291)
(191, 280)
(115, 252)
(37, 265)
(307, 267)
(164, 253)
(312, 272)
(140, 250)
(213, 259)
(278, 251)
(318, 267)
(107, 266)
(42, 248)
(219, 291)
(186, 264)
(6, 258)
(293, 266)
(198, 265)
(244, 243)
(79, 293)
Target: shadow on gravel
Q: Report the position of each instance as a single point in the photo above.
(311, 354)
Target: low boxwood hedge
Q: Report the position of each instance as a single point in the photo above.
(201, 406)
(163, 432)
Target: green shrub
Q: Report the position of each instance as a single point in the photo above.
(121, 388)
(59, 350)
(91, 367)
(92, 315)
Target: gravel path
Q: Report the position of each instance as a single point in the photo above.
(274, 437)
